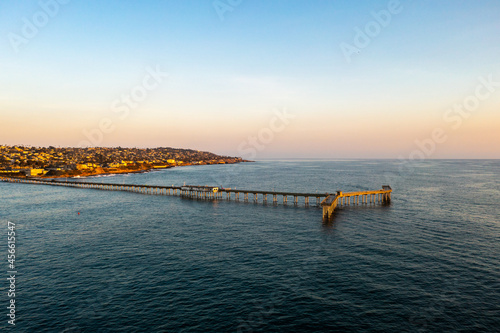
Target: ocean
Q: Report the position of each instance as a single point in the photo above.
(109, 261)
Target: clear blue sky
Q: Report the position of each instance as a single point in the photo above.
(227, 77)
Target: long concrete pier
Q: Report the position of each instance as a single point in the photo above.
(329, 203)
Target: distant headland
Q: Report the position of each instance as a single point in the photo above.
(52, 162)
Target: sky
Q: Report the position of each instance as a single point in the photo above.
(254, 78)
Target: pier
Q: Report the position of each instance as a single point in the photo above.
(329, 202)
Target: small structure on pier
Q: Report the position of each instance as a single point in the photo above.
(200, 192)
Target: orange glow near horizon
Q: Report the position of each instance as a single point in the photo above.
(327, 136)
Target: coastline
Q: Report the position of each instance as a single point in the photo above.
(108, 171)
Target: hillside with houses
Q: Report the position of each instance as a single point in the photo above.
(27, 161)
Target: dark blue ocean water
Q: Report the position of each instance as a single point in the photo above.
(429, 262)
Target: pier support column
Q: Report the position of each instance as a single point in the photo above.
(275, 199)
(326, 217)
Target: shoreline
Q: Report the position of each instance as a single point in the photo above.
(107, 172)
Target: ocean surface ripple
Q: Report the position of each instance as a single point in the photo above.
(429, 262)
